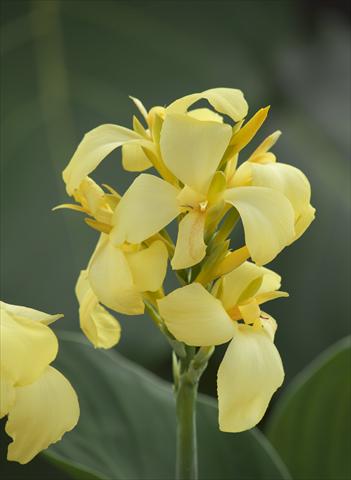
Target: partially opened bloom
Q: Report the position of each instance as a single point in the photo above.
(119, 275)
(39, 401)
(262, 170)
(251, 370)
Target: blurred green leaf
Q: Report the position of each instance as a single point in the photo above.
(311, 424)
(127, 425)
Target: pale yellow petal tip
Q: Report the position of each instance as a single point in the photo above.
(52, 318)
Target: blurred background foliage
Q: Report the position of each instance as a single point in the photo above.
(68, 66)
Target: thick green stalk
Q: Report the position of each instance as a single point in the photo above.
(187, 371)
(186, 467)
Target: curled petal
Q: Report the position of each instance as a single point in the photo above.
(268, 220)
(111, 279)
(94, 147)
(100, 327)
(149, 266)
(190, 247)
(192, 149)
(42, 412)
(147, 206)
(235, 283)
(229, 101)
(286, 179)
(195, 317)
(134, 158)
(250, 372)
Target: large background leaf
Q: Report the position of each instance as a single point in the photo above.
(127, 425)
(310, 426)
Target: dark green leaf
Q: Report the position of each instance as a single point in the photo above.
(127, 426)
(311, 426)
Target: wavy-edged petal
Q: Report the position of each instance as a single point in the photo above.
(190, 247)
(100, 327)
(249, 374)
(195, 317)
(27, 348)
(94, 147)
(7, 394)
(42, 412)
(111, 279)
(149, 266)
(192, 149)
(134, 158)
(147, 206)
(229, 101)
(268, 220)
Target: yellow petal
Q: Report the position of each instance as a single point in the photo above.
(250, 372)
(195, 317)
(304, 220)
(43, 411)
(206, 115)
(286, 179)
(190, 247)
(249, 130)
(237, 281)
(111, 279)
(293, 184)
(94, 200)
(149, 266)
(229, 101)
(100, 327)
(232, 261)
(266, 297)
(139, 104)
(268, 220)
(94, 147)
(271, 281)
(27, 347)
(7, 394)
(192, 149)
(30, 313)
(265, 146)
(134, 158)
(250, 312)
(148, 205)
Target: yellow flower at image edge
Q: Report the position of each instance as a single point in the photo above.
(251, 370)
(39, 401)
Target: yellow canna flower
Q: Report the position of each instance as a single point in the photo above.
(39, 401)
(262, 170)
(251, 370)
(117, 277)
(192, 147)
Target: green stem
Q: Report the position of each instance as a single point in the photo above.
(187, 371)
(186, 467)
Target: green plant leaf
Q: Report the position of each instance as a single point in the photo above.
(127, 426)
(311, 424)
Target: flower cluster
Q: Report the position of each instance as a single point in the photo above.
(194, 177)
(39, 401)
